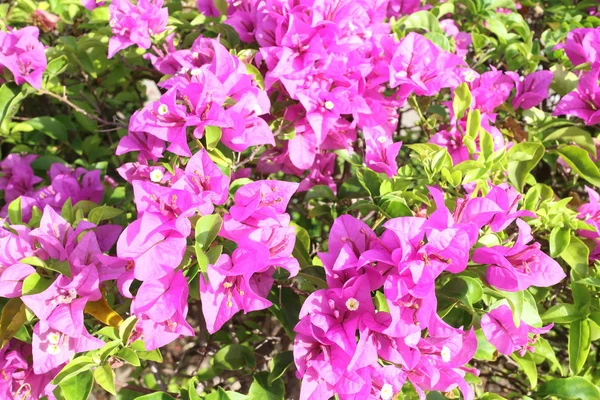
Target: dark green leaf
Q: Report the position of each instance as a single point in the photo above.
(261, 390)
(579, 344)
(233, 357)
(280, 364)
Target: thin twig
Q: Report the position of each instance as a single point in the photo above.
(65, 100)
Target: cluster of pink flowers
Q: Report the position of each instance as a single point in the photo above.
(23, 55)
(18, 181)
(152, 247)
(19, 381)
(489, 91)
(134, 23)
(590, 213)
(581, 47)
(56, 246)
(260, 227)
(405, 260)
(209, 87)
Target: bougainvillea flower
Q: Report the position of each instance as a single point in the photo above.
(23, 55)
(19, 380)
(499, 328)
(532, 89)
(53, 348)
(582, 46)
(584, 102)
(241, 282)
(520, 266)
(135, 23)
(162, 306)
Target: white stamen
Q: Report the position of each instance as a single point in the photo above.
(195, 54)
(329, 105)
(196, 71)
(387, 392)
(156, 175)
(446, 355)
(470, 76)
(382, 139)
(352, 304)
(162, 109)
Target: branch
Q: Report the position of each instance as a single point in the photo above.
(63, 99)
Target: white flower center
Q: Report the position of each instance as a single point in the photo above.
(381, 139)
(470, 76)
(156, 175)
(446, 355)
(329, 105)
(352, 304)
(196, 71)
(195, 54)
(387, 392)
(163, 109)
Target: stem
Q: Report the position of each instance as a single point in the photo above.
(63, 99)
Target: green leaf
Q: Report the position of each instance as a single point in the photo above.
(564, 81)
(563, 313)
(473, 123)
(156, 396)
(77, 387)
(105, 377)
(576, 255)
(394, 206)
(279, 365)
(573, 134)
(129, 356)
(462, 100)
(579, 160)
(12, 318)
(34, 284)
(522, 158)
(49, 126)
(213, 136)
(207, 228)
(252, 70)
(218, 394)
(320, 192)
(233, 357)
(369, 180)
(14, 211)
(516, 302)
(560, 237)
(261, 390)
(103, 213)
(126, 328)
(57, 66)
(579, 344)
(422, 20)
(543, 349)
(10, 96)
(62, 267)
(574, 388)
(286, 307)
(528, 366)
(140, 349)
(463, 288)
(75, 367)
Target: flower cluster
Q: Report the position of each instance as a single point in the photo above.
(405, 261)
(134, 23)
(489, 91)
(19, 381)
(581, 47)
(23, 55)
(58, 303)
(209, 88)
(18, 182)
(260, 227)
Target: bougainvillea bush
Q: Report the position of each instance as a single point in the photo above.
(299, 199)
